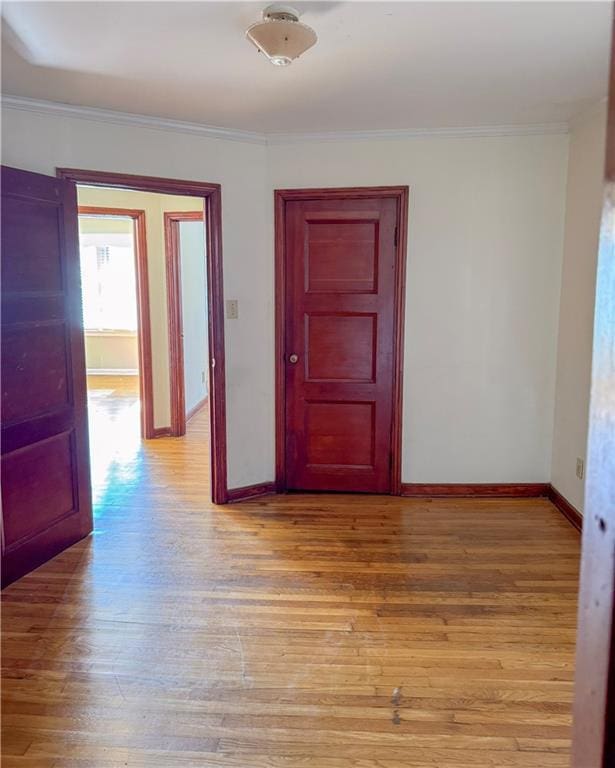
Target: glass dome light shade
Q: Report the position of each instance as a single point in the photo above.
(281, 40)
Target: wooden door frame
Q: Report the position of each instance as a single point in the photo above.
(144, 329)
(212, 195)
(281, 197)
(174, 309)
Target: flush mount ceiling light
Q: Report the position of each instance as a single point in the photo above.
(280, 35)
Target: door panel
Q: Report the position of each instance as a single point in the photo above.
(341, 257)
(339, 434)
(46, 502)
(326, 335)
(340, 323)
(33, 500)
(36, 348)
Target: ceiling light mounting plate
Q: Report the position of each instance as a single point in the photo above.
(280, 12)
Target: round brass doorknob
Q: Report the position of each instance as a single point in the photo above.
(293, 358)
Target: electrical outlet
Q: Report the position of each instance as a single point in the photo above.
(580, 468)
(232, 309)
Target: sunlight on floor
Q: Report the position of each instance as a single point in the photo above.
(115, 436)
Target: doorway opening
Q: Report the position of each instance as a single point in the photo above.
(112, 250)
(133, 385)
(186, 299)
(169, 302)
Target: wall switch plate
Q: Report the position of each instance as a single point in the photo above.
(232, 309)
(580, 468)
(202, 377)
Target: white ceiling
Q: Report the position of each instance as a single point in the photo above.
(377, 65)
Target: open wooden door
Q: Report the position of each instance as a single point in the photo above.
(46, 499)
(594, 698)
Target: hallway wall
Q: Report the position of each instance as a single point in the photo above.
(41, 142)
(485, 235)
(484, 266)
(194, 311)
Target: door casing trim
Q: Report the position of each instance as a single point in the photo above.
(177, 384)
(281, 197)
(212, 195)
(144, 330)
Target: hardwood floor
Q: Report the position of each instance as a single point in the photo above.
(115, 431)
(321, 631)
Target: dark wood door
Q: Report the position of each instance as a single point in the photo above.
(46, 502)
(593, 737)
(340, 339)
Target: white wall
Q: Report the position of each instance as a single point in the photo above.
(574, 349)
(42, 142)
(194, 310)
(484, 261)
(483, 282)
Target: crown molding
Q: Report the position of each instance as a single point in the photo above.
(472, 131)
(127, 118)
(228, 134)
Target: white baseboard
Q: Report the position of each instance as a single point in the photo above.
(112, 372)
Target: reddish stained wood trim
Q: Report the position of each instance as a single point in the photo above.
(251, 491)
(161, 432)
(134, 181)
(337, 193)
(280, 342)
(195, 409)
(185, 215)
(281, 197)
(398, 346)
(609, 170)
(217, 374)
(496, 490)
(177, 386)
(213, 229)
(144, 330)
(570, 512)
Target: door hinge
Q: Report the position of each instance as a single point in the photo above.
(395, 238)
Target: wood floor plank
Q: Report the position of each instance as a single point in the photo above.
(298, 631)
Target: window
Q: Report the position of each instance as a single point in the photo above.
(108, 274)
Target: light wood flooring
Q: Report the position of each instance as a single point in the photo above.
(322, 631)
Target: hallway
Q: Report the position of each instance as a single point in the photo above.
(115, 439)
(121, 462)
(316, 631)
